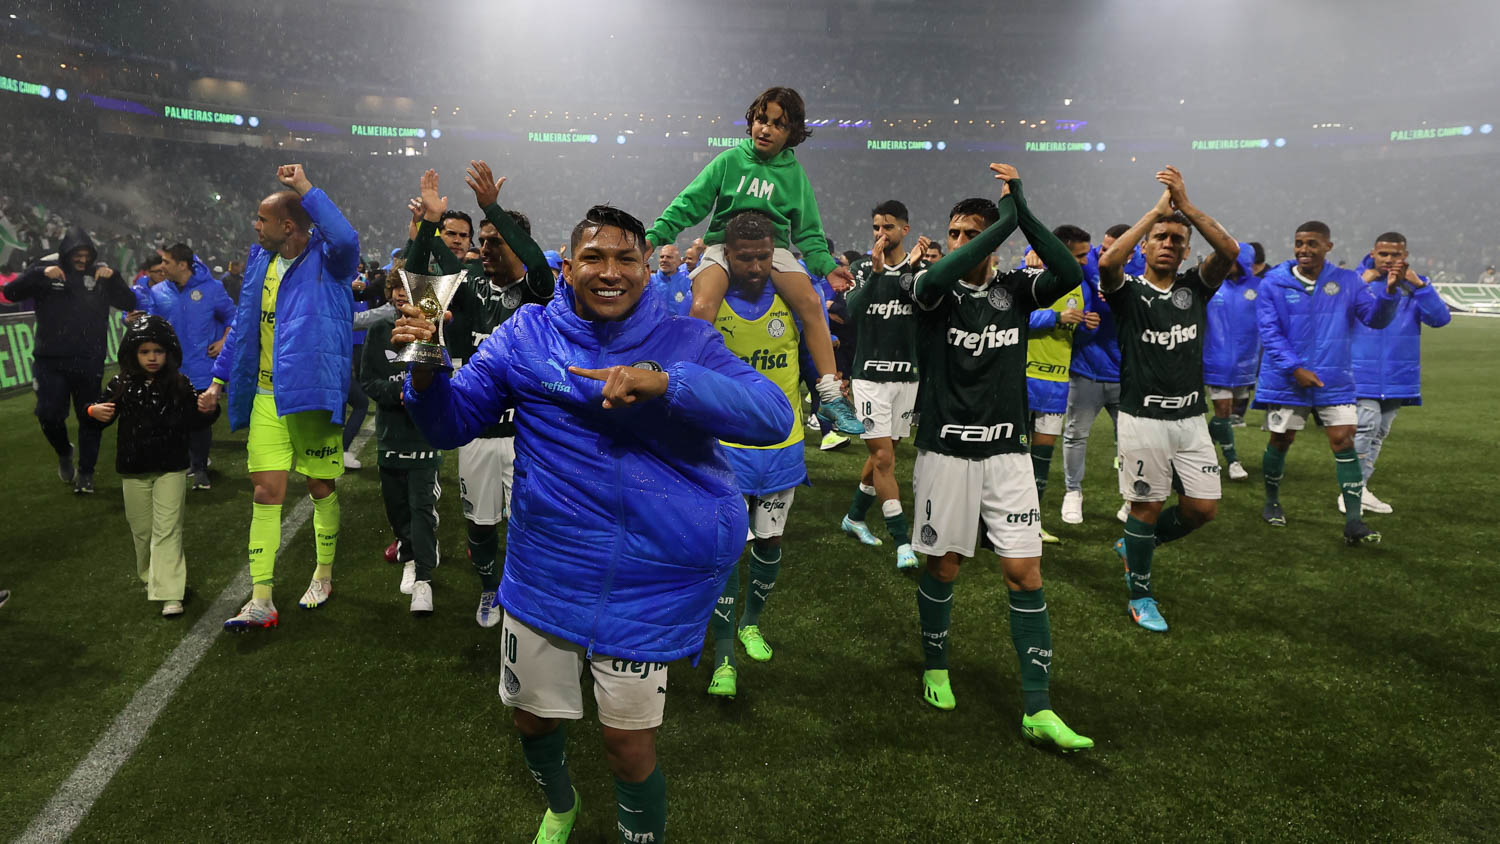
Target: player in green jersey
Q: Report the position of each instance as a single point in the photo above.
(1162, 318)
(972, 466)
(884, 380)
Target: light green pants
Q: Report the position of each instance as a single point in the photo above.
(155, 508)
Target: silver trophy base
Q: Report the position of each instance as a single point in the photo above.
(426, 354)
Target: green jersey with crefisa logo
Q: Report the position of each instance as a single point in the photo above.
(1161, 345)
(885, 321)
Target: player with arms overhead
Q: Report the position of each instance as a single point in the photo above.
(1162, 316)
(972, 468)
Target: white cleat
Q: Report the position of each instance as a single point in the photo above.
(421, 596)
(317, 594)
(1237, 472)
(408, 576)
(1370, 504)
(488, 614)
(1123, 514)
(352, 462)
(1072, 508)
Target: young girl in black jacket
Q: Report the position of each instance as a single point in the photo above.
(157, 409)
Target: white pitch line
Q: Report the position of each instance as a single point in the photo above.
(78, 793)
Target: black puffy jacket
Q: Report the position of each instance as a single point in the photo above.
(156, 412)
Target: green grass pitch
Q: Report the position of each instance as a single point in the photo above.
(1306, 691)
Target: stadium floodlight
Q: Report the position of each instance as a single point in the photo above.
(955, 100)
(1280, 142)
(61, 93)
(254, 121)
(437, 133)
(1067, 101)
(1486, 129)
(1099, 147)
(942, 145)
(619, 139)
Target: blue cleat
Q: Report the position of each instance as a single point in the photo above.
(840, 414)
(1143, 611)
(905, 557)
(859, 530)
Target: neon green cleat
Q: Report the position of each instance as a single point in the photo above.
(1045, 727)
(755, 644)
(725, 682)
(1047, 538)
(935, 688)
(558, 825)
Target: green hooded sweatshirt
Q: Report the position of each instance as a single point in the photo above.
(739, 180)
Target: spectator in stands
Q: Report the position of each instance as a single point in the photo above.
(200, 312)
(73, 295)
(1488, 276)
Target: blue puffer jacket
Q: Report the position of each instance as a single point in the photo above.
(624, 523)
(1313, 331)
(677, 289)
(199, 313)
(1388, 361)
(314, 322)
(142, 290)
(1231, 349)
(1096, 351)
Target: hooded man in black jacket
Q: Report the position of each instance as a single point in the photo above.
(73, 295)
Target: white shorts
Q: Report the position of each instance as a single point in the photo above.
(1222, 393)
(955, 497)
(542, 674)
(1150, 449)
(1282, 418)
(781, 261)
(886, 407)
(1047, 423)
(486, 468)
(768, 513)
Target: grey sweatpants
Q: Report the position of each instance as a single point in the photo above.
(1372, 427)
(1086, 397)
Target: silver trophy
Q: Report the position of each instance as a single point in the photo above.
(431, 294)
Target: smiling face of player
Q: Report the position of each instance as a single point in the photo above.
(1311, 251)
(607, 273)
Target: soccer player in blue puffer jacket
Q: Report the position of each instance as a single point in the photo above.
(1231, 352)
(1388, 361)
(1307, 308)
(625, 516)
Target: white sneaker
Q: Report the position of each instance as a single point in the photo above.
(408, 576)
(1124, 512)
(421, 596)
(352, 462)
(1072, 509)
(171, 608)
(812, 422)
(1237, 472)
(318, 592)
(1370, 504)
(488, 615)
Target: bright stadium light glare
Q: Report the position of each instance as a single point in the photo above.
(437, 133)
(1468, 130)
(1486, 129)
(619, 139)
(1067, 101)
(1265, 142)
(254, 121)
(239, 120)
(44, 91)
(593, 139)
(1099, 146)
(1280, 142)
(61, 94)
(1088, 147)
(927, 145)
(942, 145)
(955, 100)
(421, 133)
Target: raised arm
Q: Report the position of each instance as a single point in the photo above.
(1226, 249)
(1431, 308)
(1112, 262)
(340, 240)
(942, 277)
(1063, 271)
(486, 187)
(423, 253)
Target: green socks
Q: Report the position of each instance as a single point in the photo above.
(547, 757)
(1351, 482)
(265, 541)
(484, 544)
(763, 572)
(895, 522)
(1140, 543)
(864, 496)
(1031, 633)
(642, 810)
(1041, 462)
(326, 527)
(1273, 465)
(721, 623)
(935, 609)
(1171, 526)
(1222, 432)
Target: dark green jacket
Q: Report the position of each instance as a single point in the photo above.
(401, 444)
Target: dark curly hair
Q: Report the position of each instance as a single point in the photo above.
(792, 108)
(601, 216)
